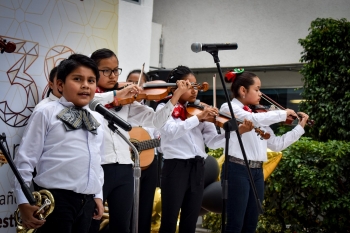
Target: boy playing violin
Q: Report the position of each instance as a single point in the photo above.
(118, 188)
(148, 179)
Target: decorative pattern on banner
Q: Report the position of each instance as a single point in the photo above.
(53, 57)
(24, 56)
(45, 32)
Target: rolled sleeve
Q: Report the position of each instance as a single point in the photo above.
(104, 98)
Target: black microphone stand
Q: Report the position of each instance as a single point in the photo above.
(229, 126)
(24, 187)
(137, 175)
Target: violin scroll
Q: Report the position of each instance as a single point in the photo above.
(7, 47)
(200, 87)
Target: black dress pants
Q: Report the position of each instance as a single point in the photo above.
(72, 213)
(118, 190)
(181, 188)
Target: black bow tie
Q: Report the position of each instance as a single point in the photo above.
(76, 118)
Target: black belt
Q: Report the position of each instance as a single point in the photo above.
(197, 171)
(252, 164)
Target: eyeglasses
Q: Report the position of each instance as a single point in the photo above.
(116, 72)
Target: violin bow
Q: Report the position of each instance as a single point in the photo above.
(141, 73)
(214, 90)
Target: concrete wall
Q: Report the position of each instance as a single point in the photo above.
(267, 32)
(134, 35)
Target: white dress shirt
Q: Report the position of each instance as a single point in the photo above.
(63, 159)
(186, 139)
(254, 147)
(116, 149)
(51, 97)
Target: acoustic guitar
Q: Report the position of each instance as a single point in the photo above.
(140, 138)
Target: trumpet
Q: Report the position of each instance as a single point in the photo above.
(105, 217)
(45, 202)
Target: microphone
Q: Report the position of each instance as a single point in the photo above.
(198, 47)
(108, 115)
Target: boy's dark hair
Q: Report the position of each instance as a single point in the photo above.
(74, 61)
(245, 79)
(52, 75)
(178, 74)
(138, 71)
(100, 54)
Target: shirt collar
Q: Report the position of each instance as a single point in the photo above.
(237, 102)
(52, 97)
(65, 103)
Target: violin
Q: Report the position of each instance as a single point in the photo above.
(157, 90)
(7, 47)
(197, 107)
(262, 108)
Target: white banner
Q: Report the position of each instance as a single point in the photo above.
(44, 32)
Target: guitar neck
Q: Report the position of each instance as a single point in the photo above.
(148, 144)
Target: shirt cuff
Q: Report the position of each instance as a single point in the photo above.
(105, 98)
(194, 121)
(282, 115)
(300, 130)
(21, 198)
(99, 195)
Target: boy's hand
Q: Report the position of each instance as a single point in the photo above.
(129, 91)
(304, 118)
(99, 209)
(208, 114)
(290, 112)
(28, 216)
(182, 87)
(246, 126)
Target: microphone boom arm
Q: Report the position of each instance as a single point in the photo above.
(232, 126)
(137, 175)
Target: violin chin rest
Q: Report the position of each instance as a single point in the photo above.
(197, 102)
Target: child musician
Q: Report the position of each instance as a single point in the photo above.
(242, 211)
(64, 142)
(149, 176)
(118, 188)
(183, 144)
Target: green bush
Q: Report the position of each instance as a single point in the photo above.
(308, 192)
(216, 153)
(310, 189)
(326, 77)
(212, 221)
